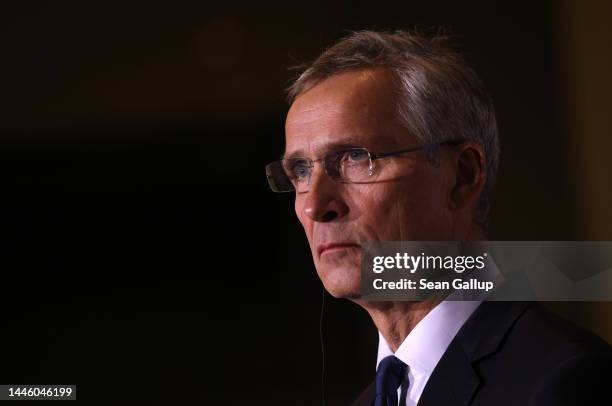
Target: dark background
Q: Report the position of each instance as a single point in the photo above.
(142, 254)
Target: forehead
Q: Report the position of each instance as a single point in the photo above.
(354, 108)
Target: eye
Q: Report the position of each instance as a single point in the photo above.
(298, 169)
(356, 155)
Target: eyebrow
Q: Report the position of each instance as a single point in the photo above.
(335, 146)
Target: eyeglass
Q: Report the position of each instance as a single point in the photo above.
(353, 165)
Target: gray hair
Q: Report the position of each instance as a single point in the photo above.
(440, 97)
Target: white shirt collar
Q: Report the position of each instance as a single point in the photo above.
(422, 349)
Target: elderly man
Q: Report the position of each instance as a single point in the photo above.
(393, 137)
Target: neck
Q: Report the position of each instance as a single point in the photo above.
(395, 320)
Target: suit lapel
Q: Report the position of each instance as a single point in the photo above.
(454, 380)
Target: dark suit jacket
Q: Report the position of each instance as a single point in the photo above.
(512, 353)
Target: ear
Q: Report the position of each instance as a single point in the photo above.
(470, 175)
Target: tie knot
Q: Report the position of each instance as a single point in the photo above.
(389, 375)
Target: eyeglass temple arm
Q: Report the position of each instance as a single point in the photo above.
(403, 151)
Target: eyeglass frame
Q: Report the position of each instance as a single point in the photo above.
(371, 156)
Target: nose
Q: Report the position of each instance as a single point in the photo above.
(324, 201)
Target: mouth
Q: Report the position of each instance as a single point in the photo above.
(334, 246)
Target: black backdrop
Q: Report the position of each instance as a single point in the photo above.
(143, 256)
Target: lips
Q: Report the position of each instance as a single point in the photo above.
(335, 245)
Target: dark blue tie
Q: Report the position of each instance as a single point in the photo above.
(388, 378)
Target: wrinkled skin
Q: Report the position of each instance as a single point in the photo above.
(408, 198)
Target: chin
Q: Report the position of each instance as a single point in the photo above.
(342, 282)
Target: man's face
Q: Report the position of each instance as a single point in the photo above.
(407, 199)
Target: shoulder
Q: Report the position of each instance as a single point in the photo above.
(578, 380)
(527, 328)
(549, 338)
(545, 359)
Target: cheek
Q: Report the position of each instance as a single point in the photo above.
(375, 212)
(423, 213)
(405, 211)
